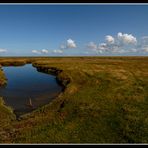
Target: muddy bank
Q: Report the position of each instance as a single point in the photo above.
(61, 79)
(12, 63)
(3, 79)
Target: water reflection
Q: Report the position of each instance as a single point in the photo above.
(25, 83)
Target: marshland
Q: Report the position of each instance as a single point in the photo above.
(33, 87)
(104, 100)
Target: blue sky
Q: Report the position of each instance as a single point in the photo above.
(62, 30)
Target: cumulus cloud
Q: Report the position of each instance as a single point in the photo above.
(102, 46)
(92, 45)
(143, 45)
(36, 52)
(2, 50)
(144, 40)
(71, 43)
(117, 50)
(122, 43)
(58, 51)
(109, 39)
(45, 51)
(144, 48)
(126, 38)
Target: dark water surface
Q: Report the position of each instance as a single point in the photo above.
(25, 83)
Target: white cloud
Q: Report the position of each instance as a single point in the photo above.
(36, 52)
(71, 43)
(92, 45)
(116, 50)
(109, 39)
(58, 51)
(123, 43)
(143, 45)
(102, 46)
(3, 50)
(126, 38)
(145, 48)
(144, 40)
(44, 51)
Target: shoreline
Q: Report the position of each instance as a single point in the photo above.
(52, 71)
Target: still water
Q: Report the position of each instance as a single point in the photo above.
(25, 86)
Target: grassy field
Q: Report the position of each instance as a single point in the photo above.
(105, 100)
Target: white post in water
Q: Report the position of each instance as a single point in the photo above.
(30, 102)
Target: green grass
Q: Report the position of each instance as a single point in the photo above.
(105, 101)
(6, 117)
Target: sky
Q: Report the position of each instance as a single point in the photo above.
(73, 30)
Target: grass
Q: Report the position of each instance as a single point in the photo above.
(6, 116)
(3, 79)
(105, 101)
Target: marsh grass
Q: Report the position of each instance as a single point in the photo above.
(105, 100)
